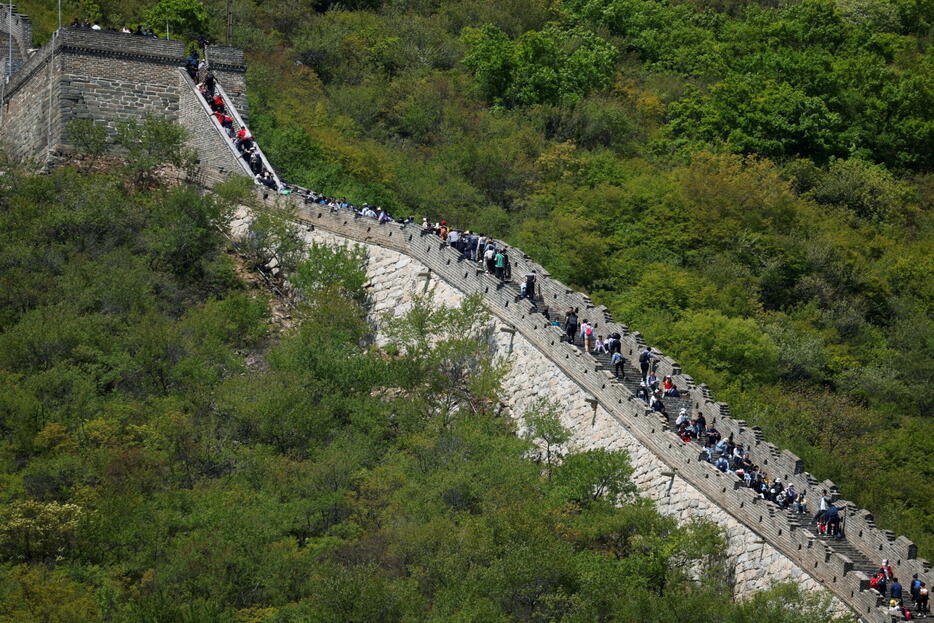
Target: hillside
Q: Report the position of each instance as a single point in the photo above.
(169, 454)
(747, 185)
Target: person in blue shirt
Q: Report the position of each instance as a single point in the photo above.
(832, 517)
(618, 363)
(895, 590)
(913, 587)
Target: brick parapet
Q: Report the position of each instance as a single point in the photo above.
(875, 544)
(229, 67)
(818, 559)
(100, 75)
(121, 45)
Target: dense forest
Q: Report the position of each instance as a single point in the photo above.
(173, 451)
(747, 184)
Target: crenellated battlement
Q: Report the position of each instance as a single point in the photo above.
(111, 77)
(821, 560)
(107, 77)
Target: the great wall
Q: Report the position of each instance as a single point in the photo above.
(109, 77)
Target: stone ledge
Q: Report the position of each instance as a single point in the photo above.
(832, 570)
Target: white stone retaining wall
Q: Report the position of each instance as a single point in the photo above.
(395, 280)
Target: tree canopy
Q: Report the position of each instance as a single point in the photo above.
(171, 452)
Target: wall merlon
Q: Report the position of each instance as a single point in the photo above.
(630, 413)
(111, 77)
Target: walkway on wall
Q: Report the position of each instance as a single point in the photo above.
(238, 123)
(843, 566)
(632, 378)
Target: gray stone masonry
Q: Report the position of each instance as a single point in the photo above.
(229, 67)
(87, 74)
(20, 27)
(619, 417)
(218, 157)
(111, 77)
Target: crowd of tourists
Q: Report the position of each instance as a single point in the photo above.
(473, 246)
(885, 582)
(138, 31)
(241, 138)
(725, 454)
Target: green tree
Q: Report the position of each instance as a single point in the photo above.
(34, 531)
(89, 137)
(186, 18)
(869, 190)
(731, 350)
(592, 475)
(153, 143)
(548, 66)
(751, 115)
(543, 425)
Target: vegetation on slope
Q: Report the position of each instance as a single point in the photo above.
(150, 475)
(747, 184)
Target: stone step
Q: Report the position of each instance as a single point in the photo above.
(631, 380)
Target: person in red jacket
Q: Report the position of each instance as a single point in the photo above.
(886, 569)
(217, 104)
(244, 140)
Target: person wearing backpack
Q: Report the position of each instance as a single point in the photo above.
(913, 587)
(500, 264)
(882, 584)
(529, 286)
(616, 359)
(490, 256)
(644, 358)
(656, 404)
(832, 517)
(586, 335)
(923, 600)
(642, 392)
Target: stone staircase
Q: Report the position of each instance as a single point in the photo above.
(238, 123)
(631, 378)
(12, 22)
(18, 57)
(631, 375)
(860, 561)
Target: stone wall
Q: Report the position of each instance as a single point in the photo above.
(218, 160)
(110, 78)
(396, 279)
(104, 76)
(765, 544)
(229, 67)
(31, 118)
